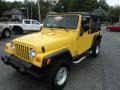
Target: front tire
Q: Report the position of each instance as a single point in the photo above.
(58, 76)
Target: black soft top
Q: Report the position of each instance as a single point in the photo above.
(79, 13)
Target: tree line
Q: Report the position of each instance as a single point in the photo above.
(113, 13)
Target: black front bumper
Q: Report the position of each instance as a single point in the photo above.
(23, 66)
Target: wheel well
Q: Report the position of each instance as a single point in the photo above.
(96, 38)
(6, 29)
(108, 27)
(14, 27)
(63, 54)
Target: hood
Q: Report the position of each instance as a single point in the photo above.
(49, 39)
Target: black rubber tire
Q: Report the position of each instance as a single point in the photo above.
(108, 29)
(52, 75)
(6, 33)
(18, 30)
(96, 49)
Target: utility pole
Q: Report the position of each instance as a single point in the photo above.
(31, 9)
(119, 18)
(27, 12)
(38, 1)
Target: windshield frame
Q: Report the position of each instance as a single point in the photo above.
(59, 16)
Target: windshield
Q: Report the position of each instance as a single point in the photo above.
(65, 21)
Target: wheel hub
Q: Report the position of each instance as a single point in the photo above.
(61, 76)
(97, 49)
(7, 34)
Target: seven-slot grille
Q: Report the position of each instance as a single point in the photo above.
(22, 51)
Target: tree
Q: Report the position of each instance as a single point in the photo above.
(60, 6)
(89, 5)
(114, 13)
(76, 5)
(103, 4)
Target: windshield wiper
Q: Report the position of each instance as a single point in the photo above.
(63, 28)
(51, 27)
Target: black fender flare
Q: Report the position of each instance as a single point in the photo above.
(64, 53)
(96, 38)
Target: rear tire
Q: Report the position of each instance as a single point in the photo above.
(6, 33)
(109, 29)
(96, 49)
(58, 76)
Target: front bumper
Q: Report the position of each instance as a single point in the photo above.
(23, 66)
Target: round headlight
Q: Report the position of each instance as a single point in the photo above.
(13, 46)
(32, 52)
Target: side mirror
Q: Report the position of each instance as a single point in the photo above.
(86, 27)
(41, 25)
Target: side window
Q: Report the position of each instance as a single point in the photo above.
(85, 26)
(35, 22)
(27, 21)
(95, 24)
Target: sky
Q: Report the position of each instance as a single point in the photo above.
(110, 2)
(113, 2)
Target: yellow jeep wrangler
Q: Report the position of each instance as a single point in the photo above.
(64, 39)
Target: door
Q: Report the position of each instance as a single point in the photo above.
(35, 25)
(116, 27)
(27, 25)
(85, 38)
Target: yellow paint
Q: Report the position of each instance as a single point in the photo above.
(52, 41)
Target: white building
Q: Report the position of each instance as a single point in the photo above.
(14, 14)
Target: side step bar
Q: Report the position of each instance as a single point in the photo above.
(82, 58)
(75, 62)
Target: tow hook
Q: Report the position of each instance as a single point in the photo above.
(5, 60)
(22, 69)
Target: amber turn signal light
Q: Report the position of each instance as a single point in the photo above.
(38, 59)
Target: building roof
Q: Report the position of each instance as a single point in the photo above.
(14, 11)
(100, 11)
